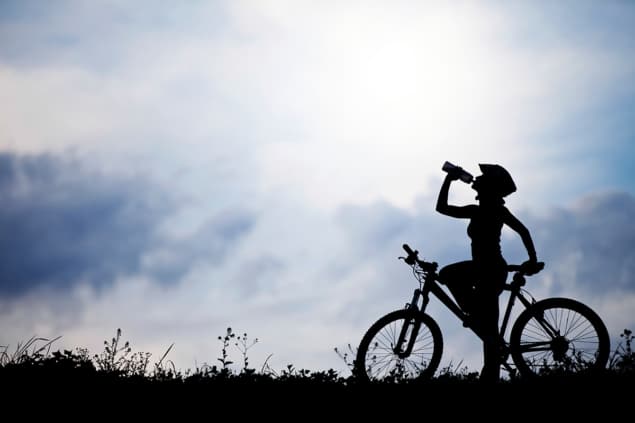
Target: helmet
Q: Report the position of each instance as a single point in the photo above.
(498, 179)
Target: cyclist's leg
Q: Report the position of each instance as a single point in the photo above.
(459, 277)
(486, 318)
(488, 327)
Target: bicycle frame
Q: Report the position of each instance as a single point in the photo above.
(553, 334)
(429, 284)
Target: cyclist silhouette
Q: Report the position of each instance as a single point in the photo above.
(476, 284)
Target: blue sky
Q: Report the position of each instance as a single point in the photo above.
(176, 169)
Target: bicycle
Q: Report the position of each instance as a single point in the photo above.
(548, 335)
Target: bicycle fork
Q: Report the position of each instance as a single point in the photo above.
(412, 322)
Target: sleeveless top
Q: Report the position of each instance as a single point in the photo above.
(485, 231)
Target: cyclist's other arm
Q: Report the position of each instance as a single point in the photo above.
(516, 225)
(442, 201)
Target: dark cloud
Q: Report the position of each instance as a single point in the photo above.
(60, 223)
(592, 242)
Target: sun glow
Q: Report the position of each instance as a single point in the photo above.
(388, 96)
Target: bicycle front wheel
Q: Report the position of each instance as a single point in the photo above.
(558, 335)
(381, 358)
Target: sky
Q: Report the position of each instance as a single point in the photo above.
(176, 168)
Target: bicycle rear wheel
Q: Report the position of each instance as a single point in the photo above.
(380, 358)
(558, 335)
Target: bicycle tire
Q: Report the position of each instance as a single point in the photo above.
(582, 340)
(376, 360)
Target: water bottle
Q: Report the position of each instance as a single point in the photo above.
(464, 176)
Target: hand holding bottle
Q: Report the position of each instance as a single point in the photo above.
(456, 172)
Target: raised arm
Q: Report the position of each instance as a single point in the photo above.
(442, 201)
(516, 225)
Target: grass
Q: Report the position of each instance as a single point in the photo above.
(119, 382)
(34, 361)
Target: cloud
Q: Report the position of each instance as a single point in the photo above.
(168, 259)
(590, 246)
(61, 223)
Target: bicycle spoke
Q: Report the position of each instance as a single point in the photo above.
(559, 335)
(385, 366)
(579, 321)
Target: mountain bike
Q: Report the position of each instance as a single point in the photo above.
(553, 334)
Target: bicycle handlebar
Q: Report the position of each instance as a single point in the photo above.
(408, 250)
(413, 257)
